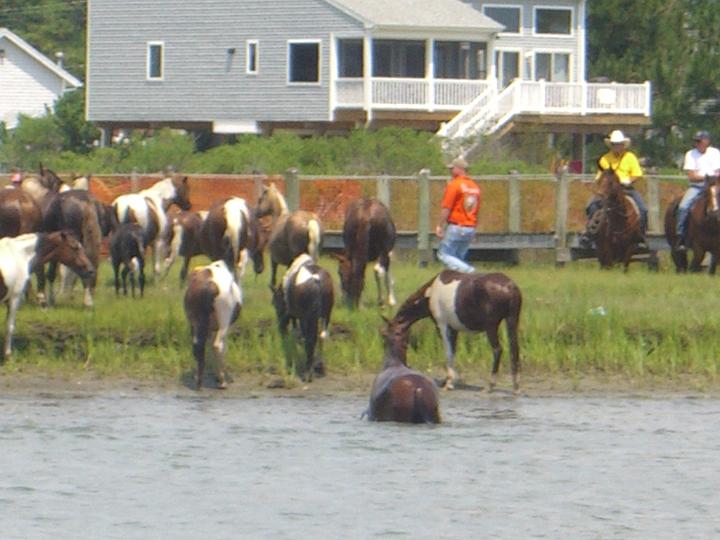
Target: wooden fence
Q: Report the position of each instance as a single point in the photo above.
(518, 211)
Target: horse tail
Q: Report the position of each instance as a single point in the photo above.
(91, 234)
(314, 239)
(420, 412)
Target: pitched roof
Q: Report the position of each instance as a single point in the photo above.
(40, 57)
(441, 14)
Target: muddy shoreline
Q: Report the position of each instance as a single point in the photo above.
(41, 385)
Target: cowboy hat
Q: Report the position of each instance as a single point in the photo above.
(458, 162)
(617, 137)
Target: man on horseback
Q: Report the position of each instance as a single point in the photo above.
(627, 168)
(700, 162)
(458, 217)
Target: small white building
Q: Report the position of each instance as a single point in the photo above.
(30, 82)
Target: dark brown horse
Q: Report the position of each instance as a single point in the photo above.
(19, 213)
(703, 230)
(368, 234)
(292, 233)
(461, 302)
(306, 295)
(231, 232)
(186, 239)
(400, 394)
(617, 223)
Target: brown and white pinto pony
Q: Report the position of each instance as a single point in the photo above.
(186, 240)
(703, 230)
(400, 394)
(149, 208)
(462, 302)
(18, 257)
(306, 295)
(232, 232)
(368, 234)
(291, 233)
(212, 303)
(618, 223)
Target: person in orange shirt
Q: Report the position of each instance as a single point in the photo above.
(458, 217)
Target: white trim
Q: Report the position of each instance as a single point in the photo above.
(519, 7)
(41, 58)
(148, 46)
(582, 41)
(571, 9)
(256, 56)
(498, 72)
(552, 53)
(332, 77)
(318, 42)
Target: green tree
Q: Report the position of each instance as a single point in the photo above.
(78, 135)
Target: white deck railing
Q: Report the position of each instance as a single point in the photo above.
(409, 94)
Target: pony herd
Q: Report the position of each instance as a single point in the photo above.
(42, 223)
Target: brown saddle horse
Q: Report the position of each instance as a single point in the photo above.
(703, 229)
(617, 223)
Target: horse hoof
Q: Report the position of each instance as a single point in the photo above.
(222, 385)
(449, 385)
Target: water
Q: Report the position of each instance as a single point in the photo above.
(176, 467)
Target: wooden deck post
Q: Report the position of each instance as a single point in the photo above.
(562, 253)
(423, 226)
(292, 189)
(383, 189)
(134, 181)
(653, 202)
(514, 219)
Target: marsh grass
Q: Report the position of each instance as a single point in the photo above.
(576, 321)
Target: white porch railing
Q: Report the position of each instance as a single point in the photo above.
(409, 94)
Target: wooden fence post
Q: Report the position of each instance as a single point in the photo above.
(292, 189)
(134, 181)
(562, 253)
(423, 226)
(258, 186)
(514, 203)
(653, 202)
(383, 189)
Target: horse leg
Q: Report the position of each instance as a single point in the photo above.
(116, 267)
(51, 275)
(40, 293)
(449, 337)
(511, 323)
(87, 296)
(241, 265)
(382, 271)
(309, 329)
(132, 282)
(125, 272)
(492, 335)
(698, 255)
(219, 348)
(184, 269)
(141, 276)
(12, 307)
(158, 251)
(273, 274)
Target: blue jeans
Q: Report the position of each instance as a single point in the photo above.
(596, 203)
(691, 195)
(454, 247)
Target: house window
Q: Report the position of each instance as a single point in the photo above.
(554, 67)
(553, 21)
(398, 58)
(509, 17)
(460, 60)
(508, 66)
(155, 60)
(251, 52)
(304, 62)
(350, 58)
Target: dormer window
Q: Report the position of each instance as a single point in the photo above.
(155, 60)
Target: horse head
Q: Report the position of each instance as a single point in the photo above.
(63, 247)
(395, 340)
(609, 186)
(49, 180)
(182, 192)
(346, 276)
(713, 194)
(270, 202)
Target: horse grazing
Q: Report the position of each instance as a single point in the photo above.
(186, 239)
(306, 295)
(18, 257)
(148, 208)
(368, 234)
(230, 231)
(703, 230)
(212, 303)
(291, 233)
(617, 223)
(461, 302)
(400, 394)
(127, 248)
(78, 212)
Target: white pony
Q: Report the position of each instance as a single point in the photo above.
(148, 209)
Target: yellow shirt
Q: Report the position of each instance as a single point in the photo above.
(626, 166)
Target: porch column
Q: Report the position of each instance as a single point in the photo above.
(367, 78)
(430, 72)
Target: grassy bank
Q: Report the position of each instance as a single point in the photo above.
(577, 322)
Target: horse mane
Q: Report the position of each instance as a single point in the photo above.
(416, 306)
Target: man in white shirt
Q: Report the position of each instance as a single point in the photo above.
(700, 162)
